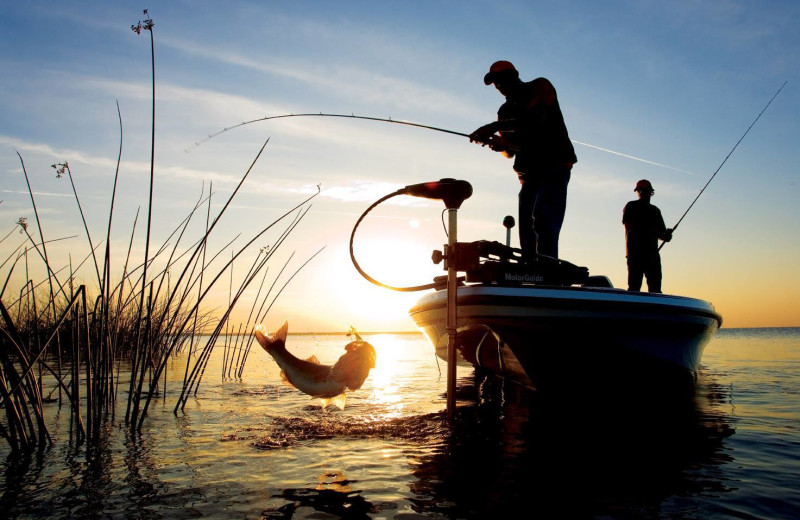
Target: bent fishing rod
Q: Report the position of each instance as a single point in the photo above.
(321, 114)
(725, 160)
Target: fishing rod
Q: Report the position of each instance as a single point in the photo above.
(321, 114)
(725, 160)
(409, 123)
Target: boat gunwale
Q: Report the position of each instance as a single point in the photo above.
(481, 295)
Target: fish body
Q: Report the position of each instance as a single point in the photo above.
(309, 376)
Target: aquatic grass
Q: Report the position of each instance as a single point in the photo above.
(57, 336)
(97, 337)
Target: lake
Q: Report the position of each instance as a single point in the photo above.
(257, 448)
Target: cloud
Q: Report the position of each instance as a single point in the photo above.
(342, 81)
(56, 154)
(38, 193)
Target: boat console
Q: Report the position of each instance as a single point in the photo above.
(493, 263)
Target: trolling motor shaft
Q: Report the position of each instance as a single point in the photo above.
(453, 193)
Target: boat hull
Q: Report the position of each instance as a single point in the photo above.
(555, 336)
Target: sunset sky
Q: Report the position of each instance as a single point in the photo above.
(656, 90)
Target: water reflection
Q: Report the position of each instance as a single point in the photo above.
(256, 446)
(516, 450)
(387, 374)
(302, 502)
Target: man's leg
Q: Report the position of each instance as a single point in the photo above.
(635, 274)
(527, 200)
(548, 212)
(653, 274)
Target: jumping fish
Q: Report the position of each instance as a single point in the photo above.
(328, 383)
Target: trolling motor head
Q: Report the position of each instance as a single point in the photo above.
(453, 192)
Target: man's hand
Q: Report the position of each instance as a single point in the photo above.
(667, 235)
(483, 135)
(498, 143)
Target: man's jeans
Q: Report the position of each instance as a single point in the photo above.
(542, 203)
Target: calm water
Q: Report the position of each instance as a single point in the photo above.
(256, 448)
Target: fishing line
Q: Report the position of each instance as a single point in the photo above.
(725, 160)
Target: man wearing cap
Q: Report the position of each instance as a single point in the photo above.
(644, 226)
(531, 129)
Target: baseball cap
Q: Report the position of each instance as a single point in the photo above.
(498, 70)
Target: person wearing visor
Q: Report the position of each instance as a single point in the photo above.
(644, 226)
(530, 129)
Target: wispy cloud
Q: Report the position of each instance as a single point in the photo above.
(341, 81)
(56, 154)
(370, 191)
(38, 193)
(76, 157)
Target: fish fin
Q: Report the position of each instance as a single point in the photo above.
(338, 401)
(267, 340)
(285, 379)
(313, 359)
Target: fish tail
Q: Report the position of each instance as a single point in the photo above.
(269, 341)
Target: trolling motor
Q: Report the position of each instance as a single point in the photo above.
(453, 193)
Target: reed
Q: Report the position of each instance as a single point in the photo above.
(85, 342)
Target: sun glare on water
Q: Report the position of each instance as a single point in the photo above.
(386, 394)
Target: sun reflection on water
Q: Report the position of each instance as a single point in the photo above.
(386, 397)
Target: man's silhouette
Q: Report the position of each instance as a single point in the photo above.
(644, 226)
(531, 129)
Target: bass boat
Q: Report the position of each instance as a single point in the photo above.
(549, 323)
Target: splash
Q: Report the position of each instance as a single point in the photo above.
(283, 432)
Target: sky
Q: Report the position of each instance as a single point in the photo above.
(648, 89)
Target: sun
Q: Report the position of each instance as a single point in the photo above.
(388, 261)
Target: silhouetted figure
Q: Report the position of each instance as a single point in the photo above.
(531, 129)
(644, 225)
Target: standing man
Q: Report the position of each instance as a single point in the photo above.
(531, 129)
(644, 225)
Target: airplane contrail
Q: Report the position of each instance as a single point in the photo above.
(632, 157)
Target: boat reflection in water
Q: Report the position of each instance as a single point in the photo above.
(512, 450)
